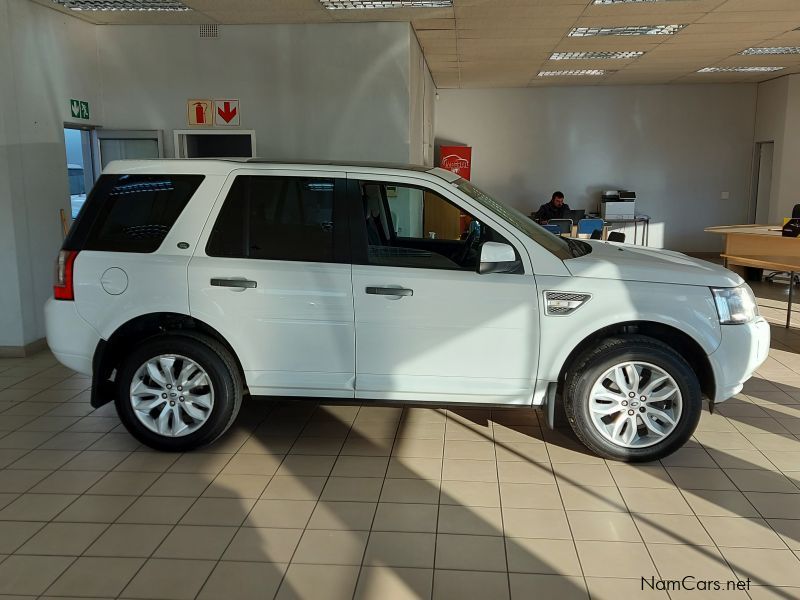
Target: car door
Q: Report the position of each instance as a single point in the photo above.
(429, 327)
(272, 274)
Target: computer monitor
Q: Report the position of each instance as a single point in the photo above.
(577, 214)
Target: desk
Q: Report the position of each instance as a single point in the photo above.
(774, 263)
(757, 240)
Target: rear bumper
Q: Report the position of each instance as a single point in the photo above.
(742, 350)
(71, 339)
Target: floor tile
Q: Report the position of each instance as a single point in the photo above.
(675, 561)
(406, 517)
(356, 516)
(123, 483)
(65, 539)
(292, 487)
(607, 588)
(775, 506)
(469, 585)
(592, 475)
(36, 507)
(14, 534)
(536, 523)
(129, 540)
(318, 582)
(216, 511)
(528, 585)
(191, 485)
(672, 529)
(31, 575)
(742, 533)
(393, 549)
(602, 526)
(766, 567)
(253, 580)
(168, 579)
(470, 552)
(395, 583)
(615, 559)
(579, 497)
(417, 491)
(470, 520)
(721, 503)
(154, 510)
(693, 478)
(200, 542)
(331, 547)
(260, 544)
(353, 489)
(655, 500)
(470, 493)
(280, 513)
(96, 576)
(528, 555)
(67, 482)
(236, 486)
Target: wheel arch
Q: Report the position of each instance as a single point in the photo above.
(679, 340)
(109, 353)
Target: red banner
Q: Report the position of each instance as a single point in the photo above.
(457, 159)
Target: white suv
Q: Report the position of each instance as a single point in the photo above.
(184, 285)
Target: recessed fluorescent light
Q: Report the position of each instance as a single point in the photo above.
(739, 69)
(595, 55)
(123, 5)
(626, 1)
(771, 51)
(574, 73)
(626, 30)
(362, 4)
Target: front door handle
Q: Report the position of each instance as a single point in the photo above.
(233, 283)
(390, 291)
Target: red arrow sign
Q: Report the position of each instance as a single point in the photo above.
(227, 113)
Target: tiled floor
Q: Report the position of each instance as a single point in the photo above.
(312, 501)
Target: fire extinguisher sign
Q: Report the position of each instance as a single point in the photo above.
(200, 113)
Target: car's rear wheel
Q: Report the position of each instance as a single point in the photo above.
(633, 398)
(177, 392)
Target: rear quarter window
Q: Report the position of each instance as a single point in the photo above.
(131, 213)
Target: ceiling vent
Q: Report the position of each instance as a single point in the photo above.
(124, 5)
(209, 31)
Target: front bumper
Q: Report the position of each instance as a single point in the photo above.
(742, 350)
(71, 339)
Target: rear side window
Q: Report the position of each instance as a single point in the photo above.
(131, 213)
(277, 218)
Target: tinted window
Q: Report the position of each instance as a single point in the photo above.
(131, 213)
(279, 218)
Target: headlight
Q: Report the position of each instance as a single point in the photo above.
(735, 305)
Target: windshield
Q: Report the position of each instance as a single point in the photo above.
(556, 244)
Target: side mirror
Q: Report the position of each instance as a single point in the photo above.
(498, 258)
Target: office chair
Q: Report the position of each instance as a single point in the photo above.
(590, 226)
(596, 235)
(555, 229)
(564, 225)
(784, 274)
(616, 236)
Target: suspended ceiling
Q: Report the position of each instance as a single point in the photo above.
(506, 43)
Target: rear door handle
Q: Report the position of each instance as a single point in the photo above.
(234, 283)
(390, 291)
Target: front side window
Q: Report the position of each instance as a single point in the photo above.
(277, 218)
(410, 226)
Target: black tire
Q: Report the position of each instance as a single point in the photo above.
(593, 363)
(217, 362)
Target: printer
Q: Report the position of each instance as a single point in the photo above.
(618, 204)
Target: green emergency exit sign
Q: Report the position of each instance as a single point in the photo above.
(79, 109)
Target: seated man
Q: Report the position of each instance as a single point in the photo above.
(555, 209)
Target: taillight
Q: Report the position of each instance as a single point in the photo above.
(63, 288)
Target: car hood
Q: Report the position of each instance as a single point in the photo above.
(638, 263)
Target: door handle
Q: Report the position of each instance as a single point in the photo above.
(233, 283)
(389, 291)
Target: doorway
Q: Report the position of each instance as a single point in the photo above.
(215, 143)
(762, 184)
(80, 166)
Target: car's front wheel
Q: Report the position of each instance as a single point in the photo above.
(633, 398)
(177, 392)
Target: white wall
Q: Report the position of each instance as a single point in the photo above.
(421, 94)
(46, 58)
(678, 147)
(310, 91)
(770, 125)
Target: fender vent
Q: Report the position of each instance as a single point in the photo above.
(209, 31)
(563, 303)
